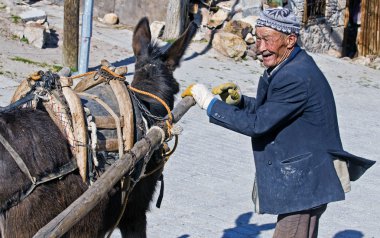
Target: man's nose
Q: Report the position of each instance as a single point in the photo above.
(260, 47)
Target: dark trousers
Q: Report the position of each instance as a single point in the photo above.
(302, 224)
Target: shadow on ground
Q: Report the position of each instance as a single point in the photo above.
(244, 229)
(349, 234)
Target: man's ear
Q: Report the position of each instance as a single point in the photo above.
(291, 41)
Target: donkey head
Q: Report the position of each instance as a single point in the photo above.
(155, 66)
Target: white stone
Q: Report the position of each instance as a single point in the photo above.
(335, 53)
(33, 15)
(203, 33)
(36, 34)
(157, 28)
(110, 18)
(249, 39)
(362, 60)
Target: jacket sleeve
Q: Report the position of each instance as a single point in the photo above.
(286, 99)
(249, 103)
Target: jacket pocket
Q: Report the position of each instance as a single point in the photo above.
(297, 158)
(295, 171)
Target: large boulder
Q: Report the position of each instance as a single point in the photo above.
(229, 45)
(239, 28)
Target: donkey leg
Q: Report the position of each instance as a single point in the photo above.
(133, 224)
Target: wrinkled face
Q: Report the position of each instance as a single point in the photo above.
(274, 46)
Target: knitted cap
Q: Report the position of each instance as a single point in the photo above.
(280, 19)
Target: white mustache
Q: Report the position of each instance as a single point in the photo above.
(264, 53)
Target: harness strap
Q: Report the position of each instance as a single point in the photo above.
(20, 163)
(161, 194)
(27, 98)
(22, 194)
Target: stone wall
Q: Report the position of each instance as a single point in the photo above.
(323, 34)
(130, 11)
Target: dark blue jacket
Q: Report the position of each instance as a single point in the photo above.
(294, 130)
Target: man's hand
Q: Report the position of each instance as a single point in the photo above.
(229, 93)
(200, 93)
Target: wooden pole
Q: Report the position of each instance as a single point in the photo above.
(363, 28)
(176, 19)
(71, 33)
(89, 199)
(345, 32)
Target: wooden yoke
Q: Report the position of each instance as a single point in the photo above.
(126, 112)
(21, 91)
(125, 106)
(79, 126)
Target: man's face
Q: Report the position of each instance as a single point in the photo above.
(272, 45)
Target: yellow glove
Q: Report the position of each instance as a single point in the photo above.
(200, 93)
(187, 91)
(228, 92)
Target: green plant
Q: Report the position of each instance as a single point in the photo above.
(28, 61)
(24, 40)
(52, 67)
(56, 68)
(15, 19)
(171, 41)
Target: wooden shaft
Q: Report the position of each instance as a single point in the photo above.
(89, 199)
(182, 107)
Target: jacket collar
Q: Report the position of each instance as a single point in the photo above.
(269, 73)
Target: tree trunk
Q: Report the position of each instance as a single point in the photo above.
(176, 19)
(71, 33)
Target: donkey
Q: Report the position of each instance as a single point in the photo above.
(39, 142)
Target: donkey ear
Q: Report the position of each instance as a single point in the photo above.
(141, 38)
(175, 52)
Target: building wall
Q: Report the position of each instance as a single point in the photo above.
(130, 11)
(324, 33)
